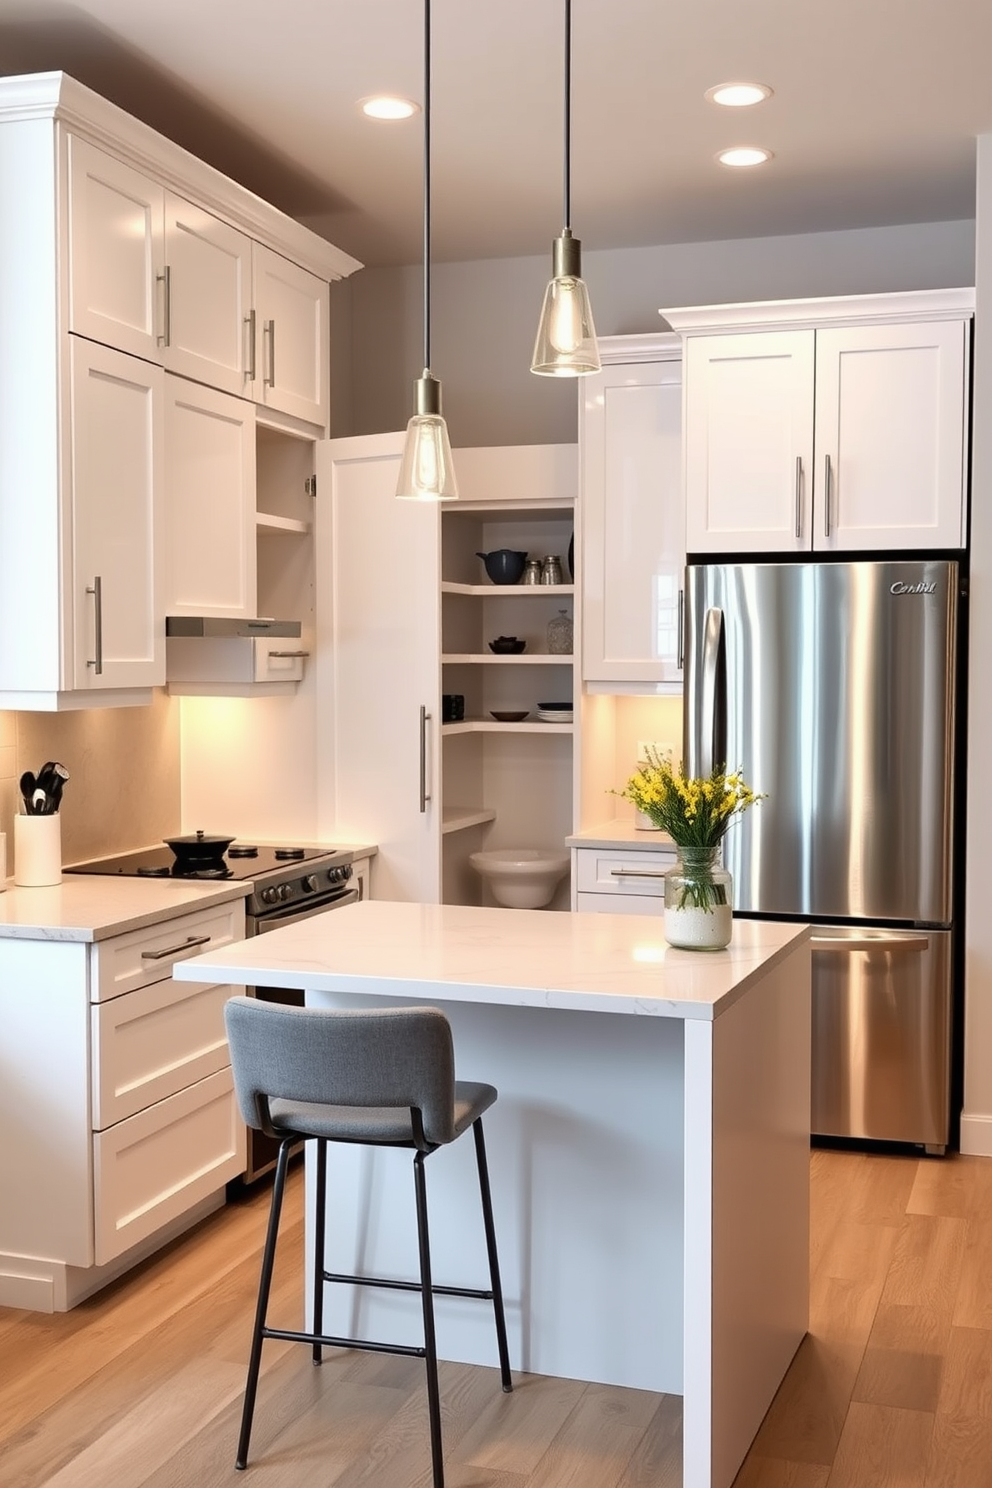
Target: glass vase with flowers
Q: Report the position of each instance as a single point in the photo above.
(695, 811)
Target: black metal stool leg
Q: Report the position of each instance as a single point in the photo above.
(264, 1286)
(319, 1262)
(430, 1342)
(497, 1289)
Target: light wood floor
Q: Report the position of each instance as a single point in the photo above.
(141, 1386)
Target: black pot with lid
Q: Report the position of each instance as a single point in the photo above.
(198, 847)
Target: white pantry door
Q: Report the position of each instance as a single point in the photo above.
(378, 646)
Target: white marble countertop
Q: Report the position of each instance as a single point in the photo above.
(619, 834)
(94, 907)
(446, 952)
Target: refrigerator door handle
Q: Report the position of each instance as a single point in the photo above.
(712, 698)
(875, 940)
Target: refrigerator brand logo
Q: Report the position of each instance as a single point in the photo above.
(921, 588)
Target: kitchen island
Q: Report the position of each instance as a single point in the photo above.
(649, 1149)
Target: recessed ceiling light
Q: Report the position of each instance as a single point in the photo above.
(385, 107)
(738, 95)
(744, 155)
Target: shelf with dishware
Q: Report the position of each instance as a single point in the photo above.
(506, 591)
(514, 724)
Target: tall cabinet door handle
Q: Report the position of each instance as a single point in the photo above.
(799, 497)
(681, 625)
(250, 358)
(826, 495)
(425, 794)
(269, 335)
(165, 279)
(96, 589)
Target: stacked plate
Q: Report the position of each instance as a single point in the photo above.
(555, 712)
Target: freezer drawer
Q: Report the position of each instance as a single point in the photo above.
(881, 1034)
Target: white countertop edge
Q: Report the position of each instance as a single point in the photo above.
(620, 834)
(433, 953)
(65, 912)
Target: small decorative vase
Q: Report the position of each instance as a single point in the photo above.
(698, 901)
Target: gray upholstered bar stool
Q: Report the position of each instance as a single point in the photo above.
(381, 1077)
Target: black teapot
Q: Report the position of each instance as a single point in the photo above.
(504, 565)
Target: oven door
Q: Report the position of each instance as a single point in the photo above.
(276, 918)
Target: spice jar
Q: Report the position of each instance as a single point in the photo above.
(532, 571)
(560, 635)
(551, 570)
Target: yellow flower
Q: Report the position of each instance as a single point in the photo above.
(694, 811)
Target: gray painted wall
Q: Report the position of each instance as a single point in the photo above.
(485, 315)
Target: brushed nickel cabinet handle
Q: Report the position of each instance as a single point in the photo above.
(165, 279)
(96, 589)
(269, 330)
(681, 624)
(826, 495)
(887, 940)
(286, 655)
(799, 497)
(640, 872)
(424, 792)
(250, 360)
(176, 950)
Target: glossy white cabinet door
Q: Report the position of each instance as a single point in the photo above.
(378, 562)
(749, 441)
(890, 436)
(117, 478)
(632, 523)
(205, 326)
(291, 343)
(116, 266)
(209, 523)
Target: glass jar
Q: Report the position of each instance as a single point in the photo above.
(560, 635)
(698, 900)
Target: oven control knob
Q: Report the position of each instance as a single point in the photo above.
(270, 895)
(284, 891)
(309, 882)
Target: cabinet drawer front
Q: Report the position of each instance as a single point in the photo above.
(140, 957)
(153, 1043)
(601, 871)
(150, 1169)
(624, 904)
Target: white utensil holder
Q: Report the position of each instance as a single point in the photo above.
(37, 851)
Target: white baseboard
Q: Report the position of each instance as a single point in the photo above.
(976, 1135)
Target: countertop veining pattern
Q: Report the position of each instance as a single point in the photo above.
(438, 952)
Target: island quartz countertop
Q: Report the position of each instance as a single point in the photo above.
(446, 952)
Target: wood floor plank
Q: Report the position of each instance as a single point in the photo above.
(759, 1472)
(966, 1384)
(903, 1362)
(955, 1186)
(927, 1263)
(882, 1447)
(806, 1418)
(656, 1461)
(595, 1441)
(513, 1432)
(960, 1453)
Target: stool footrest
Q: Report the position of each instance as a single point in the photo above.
(324, 1340)
(407, 1286)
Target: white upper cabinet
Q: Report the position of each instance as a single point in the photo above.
(209, 507)
(838, 426)
(290, 339)
(206, 297)
(116, 480)
(631, 513)
(116, 251)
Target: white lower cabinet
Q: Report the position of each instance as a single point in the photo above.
(617, 881)
(132, 1122)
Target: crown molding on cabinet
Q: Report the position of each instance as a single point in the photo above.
(59, 97)
(873, 309)
(650, 346)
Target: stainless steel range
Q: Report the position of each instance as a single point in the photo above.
(288, 883)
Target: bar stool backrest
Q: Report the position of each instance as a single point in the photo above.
(373, 1057)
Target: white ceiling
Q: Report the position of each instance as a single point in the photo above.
(873, 120)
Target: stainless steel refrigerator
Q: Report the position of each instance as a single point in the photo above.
(832, 685)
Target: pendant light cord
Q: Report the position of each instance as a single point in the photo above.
(568, 116)
(427, 185)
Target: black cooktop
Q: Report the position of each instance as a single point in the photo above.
(242, 860)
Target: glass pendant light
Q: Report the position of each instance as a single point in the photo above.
(426, 470)
(566, 337)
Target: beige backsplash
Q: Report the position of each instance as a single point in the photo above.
(123, 763)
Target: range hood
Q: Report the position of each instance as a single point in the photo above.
(214, 625)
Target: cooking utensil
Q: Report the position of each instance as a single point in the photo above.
(28, 785)
(503, 565)
(199, 847)
(50, 779)
(39, 802)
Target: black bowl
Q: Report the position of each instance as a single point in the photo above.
(507, 646)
